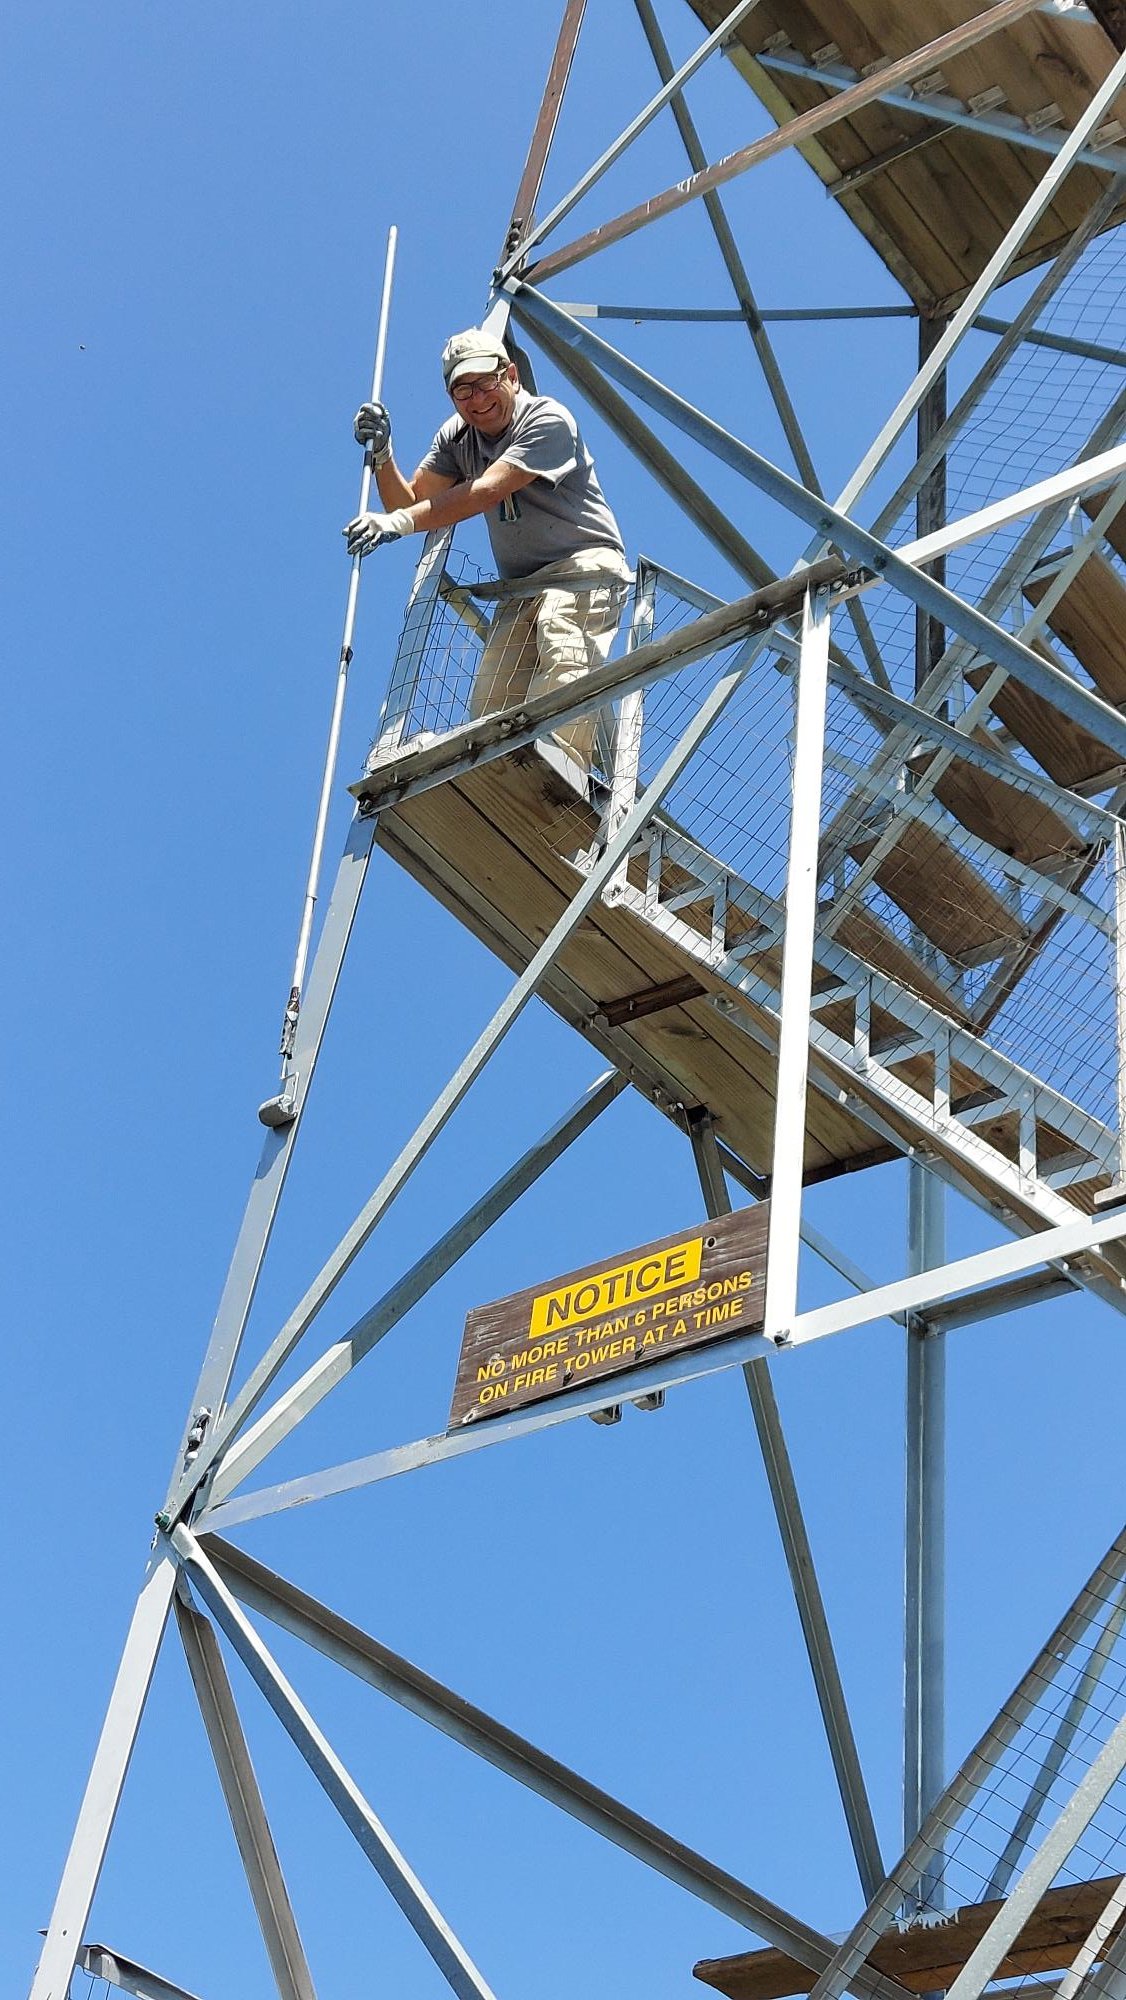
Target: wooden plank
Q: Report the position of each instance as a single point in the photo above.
(1069, 754)
(1093, 504)
(1012, 821)
(930, 1959)
(1090, 618)
(942, 893)
(861, 932)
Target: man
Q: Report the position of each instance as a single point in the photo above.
(521, 461)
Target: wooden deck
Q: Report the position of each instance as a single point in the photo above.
(930, 1959)
(935, 201)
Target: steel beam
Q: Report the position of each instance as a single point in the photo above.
(100, 1800)
(1049, 1246)
(277, 1150)
(805, 126)
(129, 1977)
(797, 971)
(830, 524)
(798, 1552)
(251, 1827)
(373, 1325)
(543, 132)
(1060, 343)
(423, 1915)
(940, 108)
(996, 1300)
(273, 1597)
(924, 1652)
(741, 286)
(729, 251)
(625, 139)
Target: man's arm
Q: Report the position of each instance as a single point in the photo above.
(397, 491)
(439, 505)
(443, 503)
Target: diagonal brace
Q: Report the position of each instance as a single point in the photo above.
(449, 1955)
(229, 1748)
(304, 1617)
(799, 1560)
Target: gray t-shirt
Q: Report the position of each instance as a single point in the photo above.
(562, 510)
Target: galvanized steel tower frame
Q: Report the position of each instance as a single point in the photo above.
(862, 1035)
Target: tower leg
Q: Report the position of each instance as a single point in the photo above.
(924, 1575)
(103, 1787)
(925, 1499)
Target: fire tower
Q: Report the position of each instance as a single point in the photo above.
(847, 885)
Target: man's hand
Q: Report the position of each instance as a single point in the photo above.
(372, 425)
(370, 531)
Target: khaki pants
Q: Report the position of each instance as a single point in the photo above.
(546, 641)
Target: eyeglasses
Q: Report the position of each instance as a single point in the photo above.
(464, 392)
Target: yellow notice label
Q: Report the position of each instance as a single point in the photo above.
(645, 1278)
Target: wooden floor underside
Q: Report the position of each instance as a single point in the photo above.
(490, 844)
(482, 843)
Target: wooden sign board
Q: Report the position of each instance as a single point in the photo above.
(686, 1291)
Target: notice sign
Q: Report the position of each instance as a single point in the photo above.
(686, 1291)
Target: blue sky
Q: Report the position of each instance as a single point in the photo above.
(192, 246)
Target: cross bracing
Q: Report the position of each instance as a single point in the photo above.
(849, 884)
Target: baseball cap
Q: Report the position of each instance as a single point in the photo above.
(473, 352)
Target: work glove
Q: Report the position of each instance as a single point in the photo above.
(370, 531)
(372, 425)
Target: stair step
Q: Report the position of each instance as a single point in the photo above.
(1068, 753)
(943, 894)
(1011, 820)
(1090, 618)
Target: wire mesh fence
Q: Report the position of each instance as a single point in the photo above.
(1042, 1791)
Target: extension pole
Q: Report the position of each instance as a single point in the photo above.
(293, 1005)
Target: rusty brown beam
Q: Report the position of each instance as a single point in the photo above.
(803, 127)
(543, 132)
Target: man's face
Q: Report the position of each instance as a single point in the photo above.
(486, 401)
